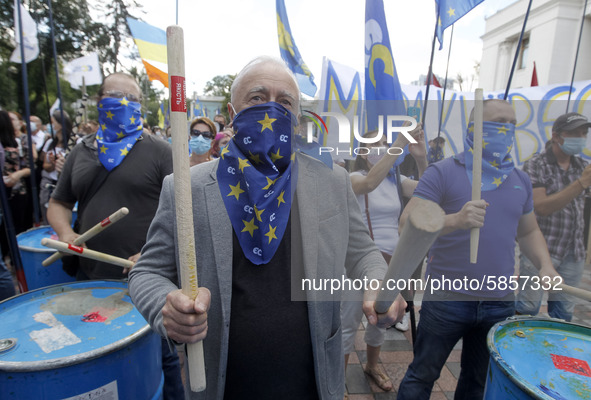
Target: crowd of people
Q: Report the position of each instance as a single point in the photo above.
(268, 214)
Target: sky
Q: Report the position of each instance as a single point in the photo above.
(221, 36)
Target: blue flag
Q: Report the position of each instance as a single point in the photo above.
(290, 53)
(449, 11)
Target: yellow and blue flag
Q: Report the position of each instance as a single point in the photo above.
(383, 93)
(449, 11)
(290, 53)
(161, 116)
(151, 43)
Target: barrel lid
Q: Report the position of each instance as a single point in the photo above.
(547, 358)
(67, 324)
(31, 239)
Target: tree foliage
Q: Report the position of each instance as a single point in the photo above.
(220, 86)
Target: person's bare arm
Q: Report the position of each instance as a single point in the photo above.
(59, 216)
(545, 205)
(533, 245)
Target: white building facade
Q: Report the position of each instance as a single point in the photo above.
(550, 40)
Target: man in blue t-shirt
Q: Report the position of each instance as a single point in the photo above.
(465, 300)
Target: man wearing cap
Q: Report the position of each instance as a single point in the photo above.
(560, 178)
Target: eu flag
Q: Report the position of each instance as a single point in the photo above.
(449, 11)
(290, 53)
(383, 93)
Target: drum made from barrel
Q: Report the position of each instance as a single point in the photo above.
(81, 340)
(33, 254)
(540, 359)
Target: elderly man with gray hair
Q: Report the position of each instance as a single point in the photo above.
(266, 218)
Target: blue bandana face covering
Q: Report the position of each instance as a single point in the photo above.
(120, 128)
(497, 142)
(254, 175)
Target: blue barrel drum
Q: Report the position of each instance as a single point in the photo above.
(540, 359)
(78, 340)
(32, 255)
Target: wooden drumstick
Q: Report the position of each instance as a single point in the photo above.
(182, 191)
(95, 230)
(476, 168)
(87, 253)
(421, 229)
(575, 291)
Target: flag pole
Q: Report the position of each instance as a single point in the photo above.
(430, 70)
(28, 119)
(572, 79)
(517, 51)
(57, 74)
(451, 37)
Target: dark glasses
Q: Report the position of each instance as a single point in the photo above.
(119, 95)
(196, 133)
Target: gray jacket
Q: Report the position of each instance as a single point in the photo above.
(333, 236)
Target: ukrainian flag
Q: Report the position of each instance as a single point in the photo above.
(151, 43)
(290, 53)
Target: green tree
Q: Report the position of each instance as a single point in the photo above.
(220, 86)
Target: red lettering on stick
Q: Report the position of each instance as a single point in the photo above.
(178, 101)
(77, 249)
(570, 364)
(105, 222)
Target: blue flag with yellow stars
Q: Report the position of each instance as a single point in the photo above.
(290, 53)
(449, 11)
(120, 128)
(255, 173)
(497, 142)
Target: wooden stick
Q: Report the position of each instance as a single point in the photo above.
(420, 231)
(476, 168)
(588, 258)
(87, 253)
(575, 291)
(182, 191)
(95, 230)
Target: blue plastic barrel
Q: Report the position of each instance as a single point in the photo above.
(535, 358)
(78, 340)
(33, 254)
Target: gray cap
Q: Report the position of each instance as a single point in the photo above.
(569, 122)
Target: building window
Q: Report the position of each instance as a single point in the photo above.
(523, 53)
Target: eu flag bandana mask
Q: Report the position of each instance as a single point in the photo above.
(497, 142)
(120, 128)
(254, 175)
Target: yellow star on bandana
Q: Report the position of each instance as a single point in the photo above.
(484, 143)
(120, 135)
(124, 101)
(280, 199)
(249, 227)
(103, 149)
(497, 181)
(258, 213)
(104, 127)
(503, 129)
(271, 233)
(242, 163)
(495, 164)
(255, 158)
(267, 123)
(236, 191)
(132, 120)
(110, 115)
(224, 151)
(124, 151)
(276, 156)
(270, 182)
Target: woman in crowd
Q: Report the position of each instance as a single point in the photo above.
(201, 135)
(53, 150)
(374, 183)
(221, 140)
